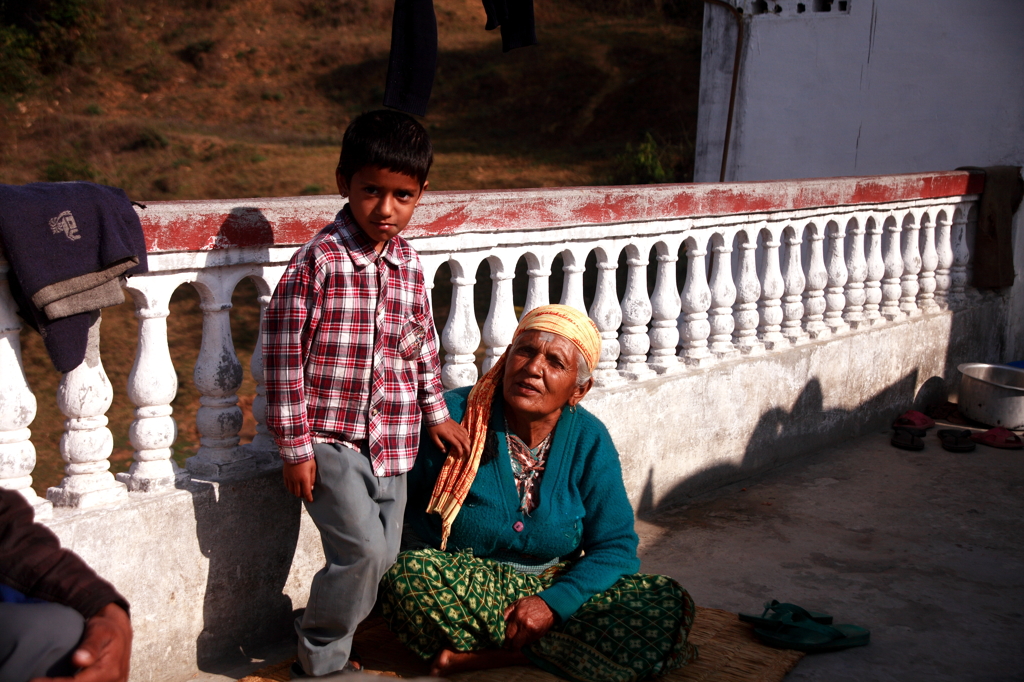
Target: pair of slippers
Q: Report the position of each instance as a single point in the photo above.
(910, 428)
(909, 431)
(788, 626)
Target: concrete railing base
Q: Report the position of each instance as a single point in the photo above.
(215, 571)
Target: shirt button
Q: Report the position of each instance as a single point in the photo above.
(374, 412)
(518, 526)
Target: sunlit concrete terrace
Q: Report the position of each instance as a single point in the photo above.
(753, 324)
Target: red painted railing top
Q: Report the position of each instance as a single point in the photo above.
(217, 224)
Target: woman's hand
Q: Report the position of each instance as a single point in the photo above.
(450, 438)
(527, 620)
(299, 478)
(105, 650)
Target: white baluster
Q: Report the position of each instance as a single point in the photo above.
(772, 289)
(875, 272)
(573, 265)
(929, 261)
(17, 407)
(607, 315)
(835, 295)
(694, 328)
(958, 272)
(537, 290)
(666, 307)
(974, 295)
(461, 335)
(152, 385)
(84, 396)
(218, 376)
(817, 280)
(748, 291)
(430, 265)
(636, 314)
(857, 269)
(944, 253)
(500, 323)
(262, 446)
(723, 296)
(793, 295)
(911, 266)
(891, 289)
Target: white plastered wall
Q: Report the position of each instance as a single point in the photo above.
(887, 86)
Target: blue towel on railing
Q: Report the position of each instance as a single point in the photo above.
(69, 245)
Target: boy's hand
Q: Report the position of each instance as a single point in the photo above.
(452, 433)
(299, 479)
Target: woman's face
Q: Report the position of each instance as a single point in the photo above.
(540, 374)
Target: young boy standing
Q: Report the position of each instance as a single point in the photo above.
(351, 366)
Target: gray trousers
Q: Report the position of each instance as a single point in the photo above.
(359, 517)
(37, 640)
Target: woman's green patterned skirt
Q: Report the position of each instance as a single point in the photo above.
(636, 629)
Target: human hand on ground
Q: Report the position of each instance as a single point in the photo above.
(105, 651)
(527, 620)
(450, 438)
(299, 478)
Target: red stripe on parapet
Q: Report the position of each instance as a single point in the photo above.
(201, 226)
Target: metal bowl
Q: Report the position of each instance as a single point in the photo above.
(992, 394)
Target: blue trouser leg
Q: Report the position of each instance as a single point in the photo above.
(359, 516)
(37, 640)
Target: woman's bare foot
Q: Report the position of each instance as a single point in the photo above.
(448, 661)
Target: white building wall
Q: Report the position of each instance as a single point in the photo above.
(886, 86)
(890, 86)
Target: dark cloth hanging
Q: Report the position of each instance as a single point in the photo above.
(69, 244)
(413, 58)
(993, 239)
(515, 17)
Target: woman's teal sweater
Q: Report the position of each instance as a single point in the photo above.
(582, 506)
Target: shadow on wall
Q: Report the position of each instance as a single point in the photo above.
(975, 335)
(245, 606)
(782, 434)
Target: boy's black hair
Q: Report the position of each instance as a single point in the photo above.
(386, 139)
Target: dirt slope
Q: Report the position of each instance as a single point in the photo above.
(235, 98)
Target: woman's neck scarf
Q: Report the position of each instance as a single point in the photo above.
(457, 475)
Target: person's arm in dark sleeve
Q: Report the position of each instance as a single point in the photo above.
(33, 562)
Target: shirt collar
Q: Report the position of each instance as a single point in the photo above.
(395, 252)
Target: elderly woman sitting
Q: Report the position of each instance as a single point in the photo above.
(530, 555)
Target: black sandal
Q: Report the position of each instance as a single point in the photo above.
(907, 438)
(956, 440)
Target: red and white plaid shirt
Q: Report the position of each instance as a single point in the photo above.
(349, 349)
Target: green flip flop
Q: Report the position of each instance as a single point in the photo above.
(794, 631)
(774, 609)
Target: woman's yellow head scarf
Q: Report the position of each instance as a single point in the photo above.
(456, 477)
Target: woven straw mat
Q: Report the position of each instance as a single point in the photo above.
(729, 652)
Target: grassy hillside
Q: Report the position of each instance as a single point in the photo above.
(235, 98)
(187, 99)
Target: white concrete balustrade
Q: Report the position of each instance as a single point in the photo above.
(770, 267)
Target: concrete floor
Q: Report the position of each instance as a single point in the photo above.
(925, 549)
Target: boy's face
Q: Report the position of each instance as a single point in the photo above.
(381, 201)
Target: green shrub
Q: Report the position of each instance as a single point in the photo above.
(148, 139)
(18, 61)
(196, 53)
(65, 168)
(640, 165)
